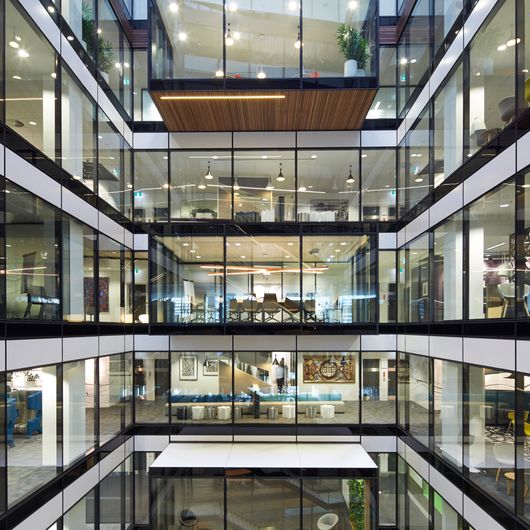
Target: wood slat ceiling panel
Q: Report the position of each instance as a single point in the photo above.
(302, 110)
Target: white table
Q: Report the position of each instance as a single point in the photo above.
(197, 412)
(288, 411)
(327, 411)
(223, 412)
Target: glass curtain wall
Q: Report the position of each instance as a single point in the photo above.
(385, 102)
(151, 387)
(387, 286)
(151, 186)
(115, 508)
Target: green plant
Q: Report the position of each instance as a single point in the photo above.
(97, 47)
(352, 45)
(356, 490)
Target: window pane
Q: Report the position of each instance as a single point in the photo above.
(151, 184)
(448, 127)
(387, 286)
(82, 515)
(201, 387)
(79, 401)
(34, 448)
(491, 251)
(378, 184)
(201, 185)
(80, 16)
(326, 192)
(448, 411)
(78, 132)
(151, 386)
(492, 77)
(79, 277)
(264, 34)
(445, 14)
(379, 387)
(490, 452)
(264, 186)
(31, 84)
(32, 243)
(448, 270)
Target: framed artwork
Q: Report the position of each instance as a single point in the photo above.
(188, 368)
(210, 367)
(335, 368)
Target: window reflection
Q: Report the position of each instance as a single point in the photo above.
(378, 184)
(151, 185)
(151, 386)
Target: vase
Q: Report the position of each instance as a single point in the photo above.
(350, 68)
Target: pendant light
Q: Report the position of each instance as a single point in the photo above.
(269, 187)
(302, 187)
(350, 179)
(280, 177)
(229, 40)
(261, 73)
(202, 186)
(236, 185)
(298, 42)
(208, 175)
(15, 42)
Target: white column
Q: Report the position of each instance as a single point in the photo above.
(49, 416)
(476, 271)
(74, 412)
(48, 116)
(452, 275)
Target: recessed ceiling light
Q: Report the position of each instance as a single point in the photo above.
(17, 77)
(219, 73)
(364, 156)
(293, 6)
(198, 257)
(77, 177)
(513, 42)
(70, 38)
(185, 244)
(290, 244)
(505, 205)
(403, 60)
(238, 244)
(343, 243)
(165, 186)
(129, 185)
(173, 7)
(352, 4)
(165, 157)
(232, 6)
(314, 157)
(501, 48)
(193, 251)
(23, 53)
(419, 179)
(183, 36)
(99, 31)
(54, 75)
(51, 9)
(13, 43)
(32, 122)
(237, 35)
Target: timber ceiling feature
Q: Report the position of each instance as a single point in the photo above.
(285, 110)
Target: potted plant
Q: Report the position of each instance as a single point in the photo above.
(97, 47)
(354, 48)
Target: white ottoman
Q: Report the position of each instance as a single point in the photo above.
(288, 411)
(327, 411)
(197, 412)
(223, 412)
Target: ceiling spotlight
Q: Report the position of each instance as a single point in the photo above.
(269, 187)
(232, 6)
(350, 179)
(173, 7)
(182, 36)
(261, 73)
(236, 185)
(208, 175)
(228, 38)
(501, 48)
(352, 4)
(280, 177)
(23, 53)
